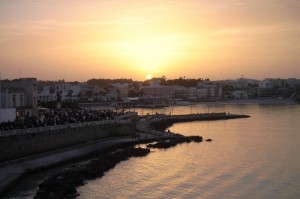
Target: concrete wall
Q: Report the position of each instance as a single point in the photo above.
(33, 141)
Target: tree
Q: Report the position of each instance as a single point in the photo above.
(163, 80)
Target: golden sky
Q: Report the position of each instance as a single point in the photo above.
(83, 39)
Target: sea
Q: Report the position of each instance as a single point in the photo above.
(256, 157)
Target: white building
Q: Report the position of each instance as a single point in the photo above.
(29, 87)
(157, 90)
(186, 93)
(278, 83)
(240, 94)
(120, 86)
(209, 92)
(202, 93)
(13, 98)
(46, 93)
(111, 95)
(67, 92)
(292, 82)
(20, 94)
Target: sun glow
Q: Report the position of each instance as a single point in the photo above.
(148, 77)
(149, 54)
(133, 38)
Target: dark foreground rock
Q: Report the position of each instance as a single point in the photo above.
(174, 141)
(63, 184)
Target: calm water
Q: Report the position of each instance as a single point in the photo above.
(256, 157)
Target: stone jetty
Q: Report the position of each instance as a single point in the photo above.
(158, 123)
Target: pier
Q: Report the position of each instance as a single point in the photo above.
(157, 124)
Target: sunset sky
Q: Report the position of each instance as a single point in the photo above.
(83, 39)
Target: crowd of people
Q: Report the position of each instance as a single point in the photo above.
(58, 117)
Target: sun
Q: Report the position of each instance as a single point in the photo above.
(150, 53)
(149, 77)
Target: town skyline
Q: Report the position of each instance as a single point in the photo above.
(80, 40)
(26, 92)
(146, 78)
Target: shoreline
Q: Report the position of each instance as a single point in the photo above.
(11, 173)
(65, 182)
(260, 101)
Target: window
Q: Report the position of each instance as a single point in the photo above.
(14, 101)
(21, 100)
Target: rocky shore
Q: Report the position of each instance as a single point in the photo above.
(63, 184)
(173, 142)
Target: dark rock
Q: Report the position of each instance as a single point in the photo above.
(174, 141)
(63, 184)
(208, 140)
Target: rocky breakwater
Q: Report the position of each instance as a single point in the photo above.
(167, 143)
(162, 122)
(63, 184)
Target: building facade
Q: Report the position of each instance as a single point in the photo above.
(21, 92)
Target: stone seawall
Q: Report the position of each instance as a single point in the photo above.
(163, 122)
(33, 141)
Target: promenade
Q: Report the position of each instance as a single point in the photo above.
(11, 171)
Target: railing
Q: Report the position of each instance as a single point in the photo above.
(121, 119)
